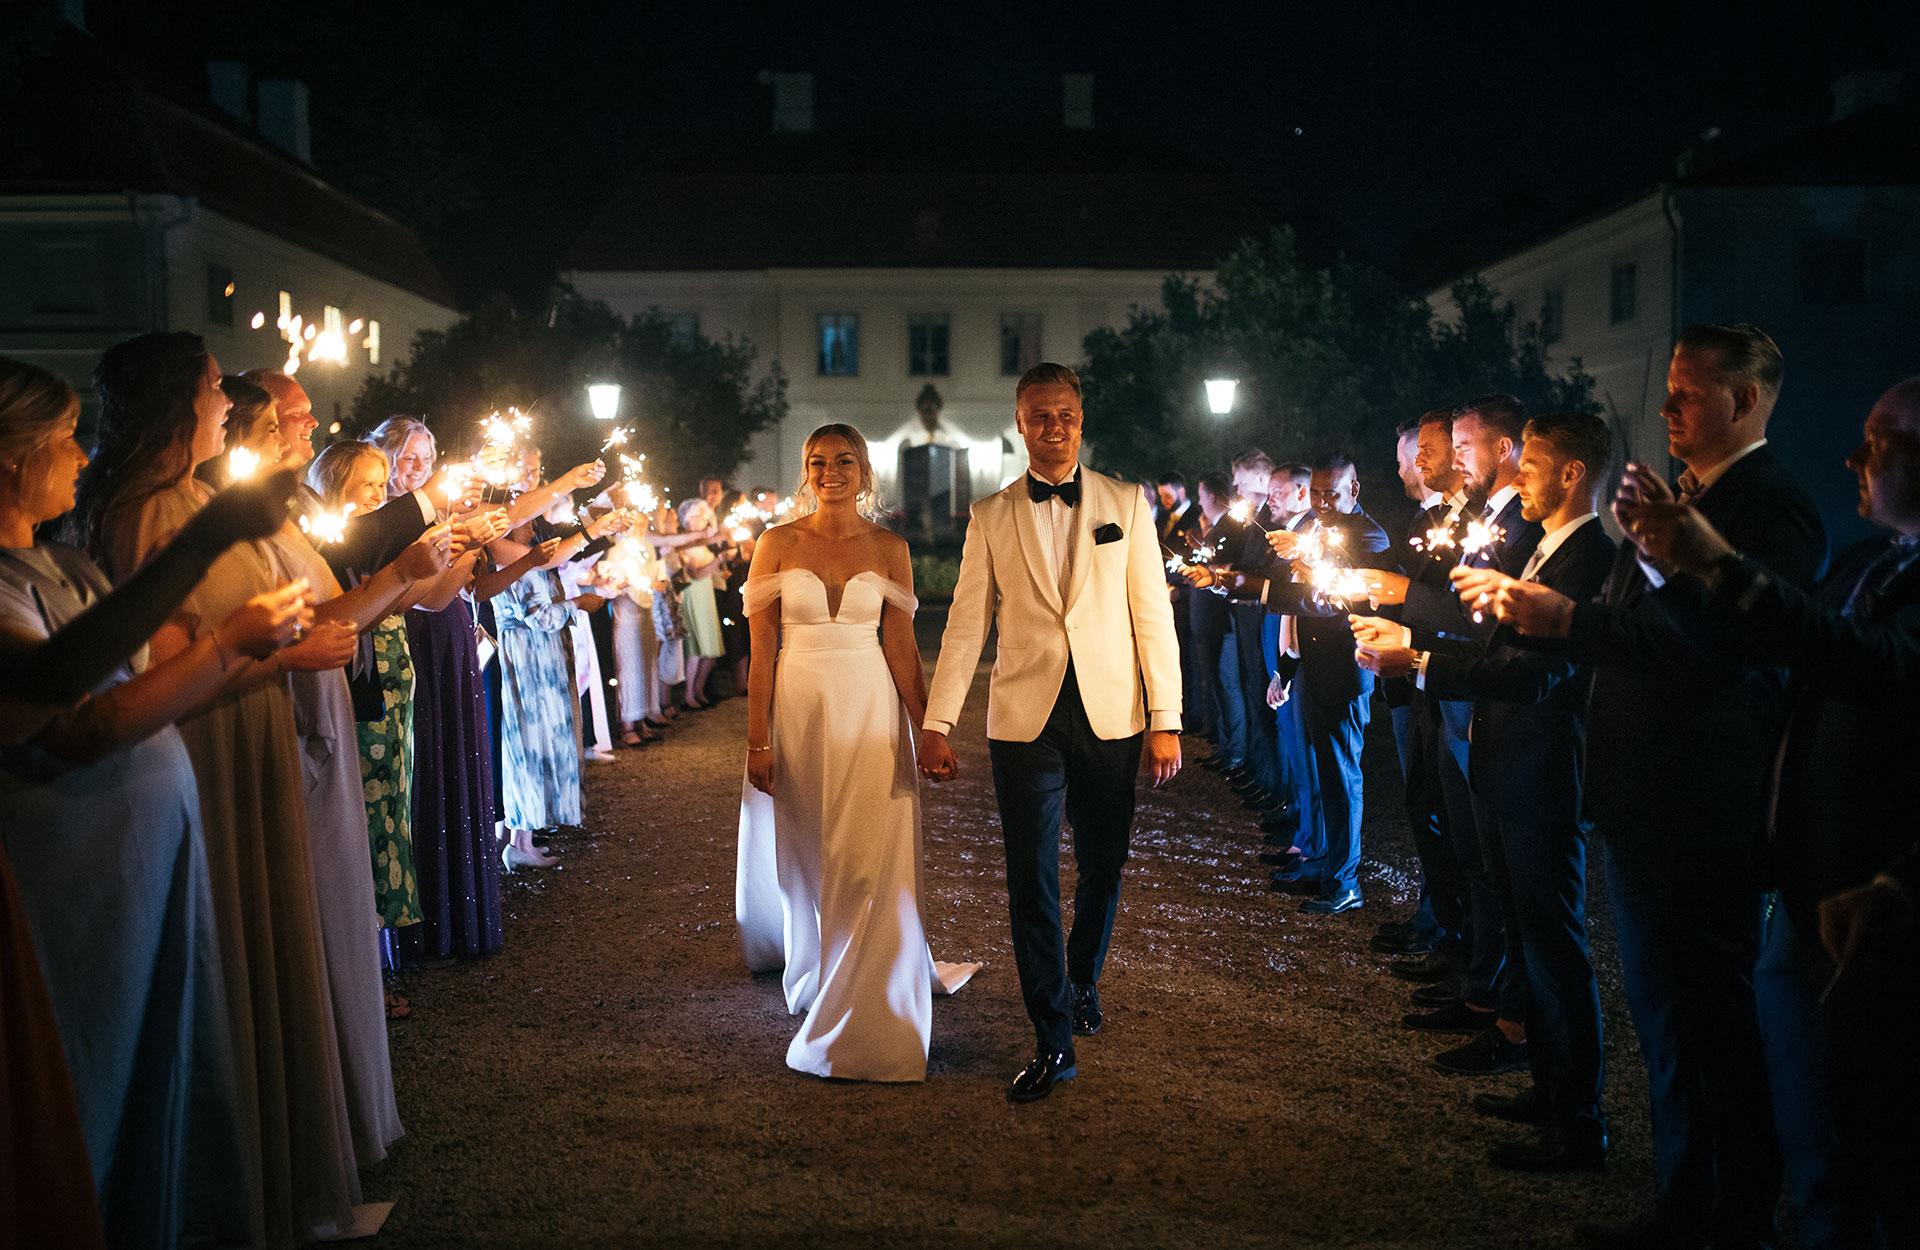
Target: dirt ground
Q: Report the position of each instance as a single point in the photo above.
(614, 1077)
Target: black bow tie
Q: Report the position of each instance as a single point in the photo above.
(1068, 491)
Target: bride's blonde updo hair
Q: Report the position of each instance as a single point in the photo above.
(868, 499)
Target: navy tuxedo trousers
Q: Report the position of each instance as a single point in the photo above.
(1066, 771)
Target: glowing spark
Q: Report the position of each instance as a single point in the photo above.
(259, 319)
(241, 462)
(327, 527)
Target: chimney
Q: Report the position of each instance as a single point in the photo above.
(283, 116)
(792, 102)
(227, 83)
(1076, 92)
(1863, 89)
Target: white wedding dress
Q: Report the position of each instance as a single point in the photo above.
(828, 880)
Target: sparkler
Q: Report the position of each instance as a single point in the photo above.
(616, 439)
(1243, 511)
(327, 527)
(241, 462)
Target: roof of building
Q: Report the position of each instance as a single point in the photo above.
(1069, 200)
(95, 128)
(1875, 147)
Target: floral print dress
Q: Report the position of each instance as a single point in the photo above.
(386, 776)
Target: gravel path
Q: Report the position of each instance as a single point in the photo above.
(614, 1077)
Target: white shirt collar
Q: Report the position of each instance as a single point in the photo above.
(1430, 499)
(1706, 480)
(1497, 502)
(1550, 541)
(1065, 477)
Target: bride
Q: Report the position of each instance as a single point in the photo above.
(829, 871)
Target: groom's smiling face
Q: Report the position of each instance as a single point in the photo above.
(1047, 415)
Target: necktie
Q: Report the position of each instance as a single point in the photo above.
(1068, 491)
(1534, 562)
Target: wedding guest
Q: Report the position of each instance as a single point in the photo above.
(1837, 994)
(1267, 788)
(698, 606)
(101, 818)
(1684, 824)
(161, 409)
(540, 751)
(1209, 623)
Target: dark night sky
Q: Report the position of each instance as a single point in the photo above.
(1376, 126)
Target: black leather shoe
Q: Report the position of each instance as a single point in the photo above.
(1439, 994)
(1427, 969)
(1525, 1107)
(1404, 943)
(1392, 928)
(1457, 1017)
(1553, 1152)
(1294, 883)
(1237, 774)
(1489, 1054)
(1038, 1078)
(1286, 861)
(1086, 1010)
(1287, 826)
(1332, 904)
(1645, 1232)
(1258, 801)
(1214, 762)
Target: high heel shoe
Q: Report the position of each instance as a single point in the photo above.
(513, 858)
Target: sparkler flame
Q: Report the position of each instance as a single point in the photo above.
(241, 463)
(327, 527)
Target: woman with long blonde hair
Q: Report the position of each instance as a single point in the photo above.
(829, 864)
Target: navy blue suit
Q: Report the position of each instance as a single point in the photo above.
(1272, 771)
(1528, 740)
(1332, 693)
(1682, 729)
(1844, 1094)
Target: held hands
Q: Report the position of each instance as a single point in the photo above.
(477, 527)
(1676, 536)
(1384, 587)
(1285, 543)
(427, 556)
(581, 476)
(1279, 690)
(1640, 487)
(1535, 610)
(266, 623)
(331, 645)
(1374, 633)
(1199, 574)
(937, 760)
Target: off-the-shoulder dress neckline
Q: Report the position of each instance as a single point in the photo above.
(833, 601)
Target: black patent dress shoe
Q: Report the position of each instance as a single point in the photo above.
(1404, 943)
(1455, 1017)
(1333, 904)
(1439, 994)
(1525, 1107)
(1645, 1232)
(1038, 1078)
(1555, 1151)
(1425, 970)
(1294, 883)
(1087, 1016)
(1488, 1054)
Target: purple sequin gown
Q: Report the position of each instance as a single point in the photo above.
(454, 858)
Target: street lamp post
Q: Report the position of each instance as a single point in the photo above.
(605, 400)
(1220, 402)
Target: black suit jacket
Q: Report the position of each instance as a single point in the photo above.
(1845, 788)
(1529, 715)
(1433, 606)
(1684, 720)
(1207, 612)
(372, 541)
(1420, 564)
(1326, 637)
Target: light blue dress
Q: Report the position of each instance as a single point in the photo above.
(540, 769)
(112, 870)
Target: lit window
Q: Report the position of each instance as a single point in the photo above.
(1019, 343)
(1553, 314)
(1623, 301)
(372, 342)
(220, 289)
(839, 345)
(927, 345)
(1833, 271)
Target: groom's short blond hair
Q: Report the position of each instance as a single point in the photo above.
(1046, 373)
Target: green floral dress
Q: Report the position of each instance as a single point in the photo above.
(386, 776)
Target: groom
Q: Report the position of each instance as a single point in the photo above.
(1066, 562)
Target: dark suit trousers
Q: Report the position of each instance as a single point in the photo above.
(1066, 770)
(1485, 936)
(1442, 900)
(1262, 736)
(1544, 865)
(1333, 730)
(1196, 701)
(1688, 922)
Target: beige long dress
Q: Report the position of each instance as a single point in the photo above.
(246, 760)
(343, 873)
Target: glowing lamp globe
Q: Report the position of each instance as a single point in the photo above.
(1220, 395)
(605, 398)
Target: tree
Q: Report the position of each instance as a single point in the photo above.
(691, 402)
(1328, 360)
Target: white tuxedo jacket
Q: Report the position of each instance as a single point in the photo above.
(1116, 624)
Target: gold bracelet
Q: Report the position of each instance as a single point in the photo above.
(751, 748)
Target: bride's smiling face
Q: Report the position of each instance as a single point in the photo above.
(833, 470)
